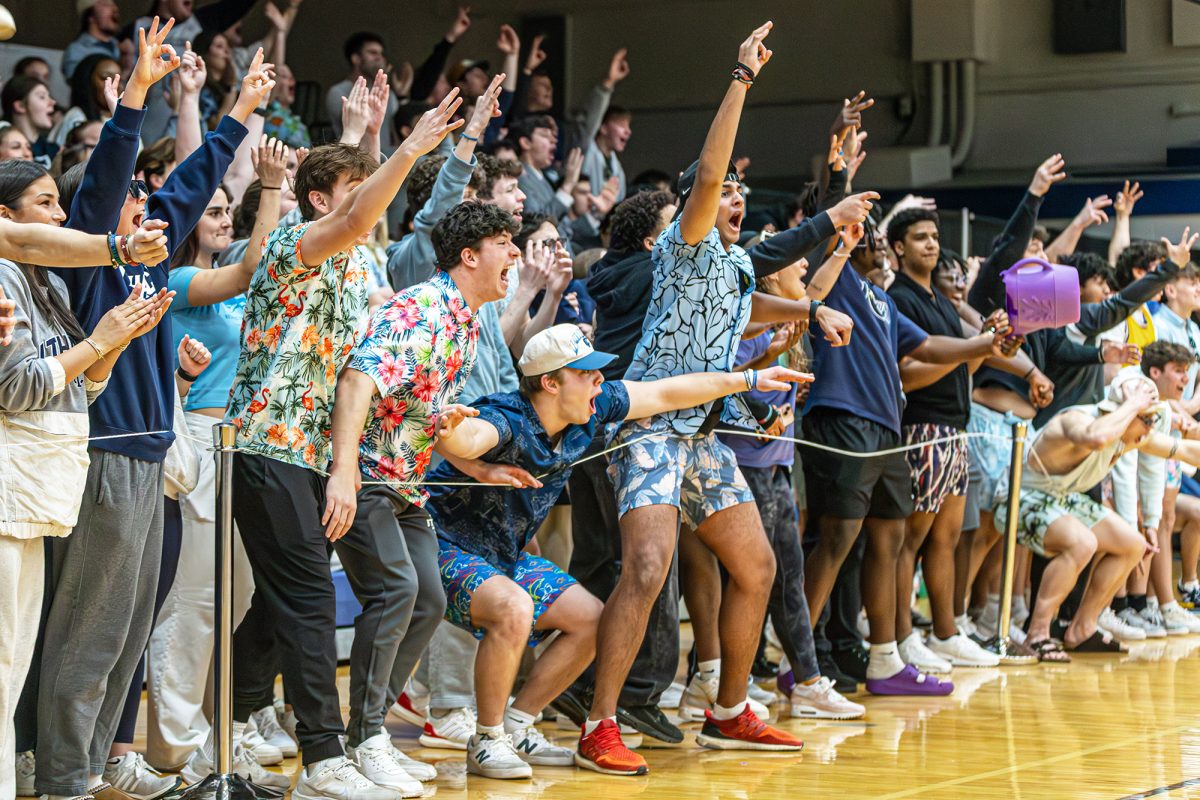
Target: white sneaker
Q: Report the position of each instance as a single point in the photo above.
(338, 780)
(1178, 615)
(913, 651)
(864, 626)
(375, 761)
(248, 734)
(412, 710)
(416, 769)
(756, 692)
(286, 720)
(1154, 616)
(26, 773)
(132, 775)
(1118, 628)
(534, 748)
(495, 757)
(450, 732)
(822, 701)
(1134, 618)
(269, 729)
(988, 621)
(701, 694)
(961, 651)
(200, 766)
(672, 696)
(965, 626)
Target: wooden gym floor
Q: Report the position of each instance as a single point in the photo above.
(1103, 727)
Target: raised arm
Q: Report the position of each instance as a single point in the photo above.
(365, 204)
(700, 213)
(189, 132)
(256, 91)
(821, 282)
(221, 15)
(50, 246)
(1123, 210)
(426, 75)
(1095, 433)
(1092, 213)
(647, 398)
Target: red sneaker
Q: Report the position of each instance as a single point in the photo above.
(603, 751)
(405, 710)
(744, 732)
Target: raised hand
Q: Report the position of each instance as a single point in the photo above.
(450, 418)
(777, 379)
(270, 161)
(1120, 353)
(836, 326)
(148, 244)
(402, 80)
(618, 68)
(837, 157)
(536, 56)
(571, 169)
(1140, 394)
(852, 234)
(193, 356)
(850, 115)
(753, 53)
(461, 24)
(533, 272)
(434, 125)
(112, 93)
(192, 72)
(1049, 172)
(561, 269)
(852, 209)
(508, 42)
(604, 202)
(151, 67)
(1093, 212)
(1181, 253)
(1127, 198)
(8, 320)
(377, 102)
(256, 88)
(356, 112)
(853, 152)
(487, 107)
(914, 201)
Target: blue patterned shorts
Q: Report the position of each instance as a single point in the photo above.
(938, 470)
(463, 573)
(697, 475)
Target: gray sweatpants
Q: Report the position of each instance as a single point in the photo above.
(447, 668)
(105, 577)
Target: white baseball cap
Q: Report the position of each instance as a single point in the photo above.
(561, 346)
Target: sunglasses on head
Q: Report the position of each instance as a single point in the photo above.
(138, 189)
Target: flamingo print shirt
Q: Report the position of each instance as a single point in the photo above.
(419, 350)
(300, 326)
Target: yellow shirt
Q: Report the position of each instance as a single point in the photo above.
(1139, 329)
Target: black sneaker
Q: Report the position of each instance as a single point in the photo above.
(1189, 598)
(572, 706)
(764, 669)
(853, 662)
(651, 721)
(841, 681)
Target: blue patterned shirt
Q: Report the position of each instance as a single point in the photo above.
(497, 522)
(699, 306)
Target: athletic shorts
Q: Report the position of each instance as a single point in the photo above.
(463, 573)
(1174, 473)
(699, 475)
(1040, 510)
(938, 470)
(852, 487)
(989, 457)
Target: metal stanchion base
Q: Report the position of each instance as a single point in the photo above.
(1011, 652)
(228, 787)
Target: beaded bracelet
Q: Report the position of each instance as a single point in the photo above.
(126, 250)
(114, 255)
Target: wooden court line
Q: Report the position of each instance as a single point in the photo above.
(1039, 763)
(1162, 790)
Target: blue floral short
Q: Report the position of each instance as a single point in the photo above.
(699, 475)
(463, 573)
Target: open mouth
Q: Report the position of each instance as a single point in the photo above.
(735, 220)
(137, 220)
(517, 215)
(504, 278)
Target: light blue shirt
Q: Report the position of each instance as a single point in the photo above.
(85, 45)
(699, 306)
(218, 327)
(1170, 327)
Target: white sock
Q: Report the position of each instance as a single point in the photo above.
(317, 766)
(590, 724)
(884, 661)
(721, 712)
(94, 781)
(707, 669)
(1190, 585)
(1019, 611)
(494, 731)
(1171, 605)
(962, 619)
(517, 720)
(239, 730)
(1151, 602)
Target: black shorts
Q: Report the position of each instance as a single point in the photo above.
(851, 487)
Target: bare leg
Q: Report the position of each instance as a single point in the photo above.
(962, 571)
(1160, 562)
(1119, 548)
(736, 536)
(916, 529)
(982, 548)
(884, 539)
(505, 612)
(1187, 519)
(576, 616)
(825, 561)
(647, 546)
(1070, 545)
(937, 560)
(700, 580)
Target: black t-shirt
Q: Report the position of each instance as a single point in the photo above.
(947, 402)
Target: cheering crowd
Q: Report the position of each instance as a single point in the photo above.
(524, 403)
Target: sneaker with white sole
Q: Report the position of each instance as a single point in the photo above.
(1134, 618)
(286, 719)
(913, 651)
(417, 769)
(26, 774)
(1118, 628)
(374, 759)
(411, 711)
(536, 749)
(269, 729)
(495, 757)
(756, 692)
(338, 779)
(672, 696)
(449, 732)
(821, 701)
(962, 651)
(1153, 615)
(1177, 615)
(701, 694)
(988, 621)
(966, 626)
(200, 766)
(248, 735)
(132, 775)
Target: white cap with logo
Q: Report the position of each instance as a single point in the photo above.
(561, 346)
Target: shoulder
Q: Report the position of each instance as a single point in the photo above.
(12, 279)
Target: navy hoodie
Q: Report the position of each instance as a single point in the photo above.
(140, 397)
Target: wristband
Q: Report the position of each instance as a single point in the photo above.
(186, 376)
(740, 67)
(271, 188)
(813, 305)
(262, 112)
(114, 255)
(468, 138)
(1100, 354)
(126, 251)
(772, 415)
(96, 347)
(1025, 377)
(840, 254)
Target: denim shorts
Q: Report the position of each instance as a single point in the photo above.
(989, 458)
(699, 475)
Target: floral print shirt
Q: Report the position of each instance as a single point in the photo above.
(419, 350)
(300, 325)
